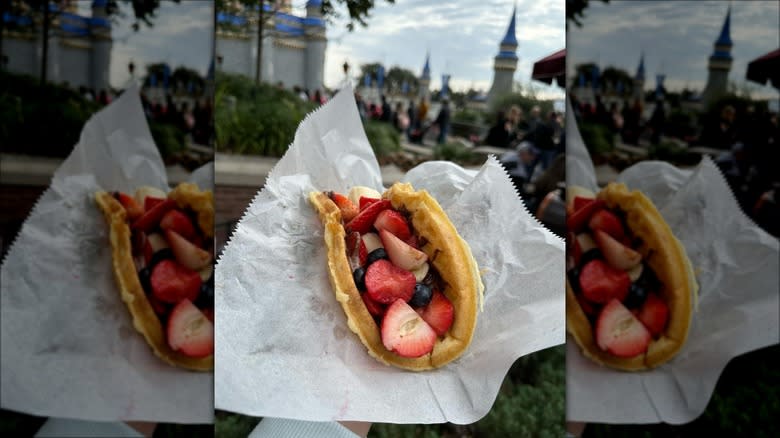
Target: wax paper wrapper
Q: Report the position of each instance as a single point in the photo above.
(283, 345)
(736, 266)
(69, 348)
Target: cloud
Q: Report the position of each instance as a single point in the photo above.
(676, 37)
(462, 38)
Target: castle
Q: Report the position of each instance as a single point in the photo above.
(504, 64)
(79, 51)
(293, 51)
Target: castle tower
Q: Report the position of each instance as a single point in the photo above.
(425, 78)
(316, 41)
(639, 79)
(505, 63)
(719, 65)
(100, 58)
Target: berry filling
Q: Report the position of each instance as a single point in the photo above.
(615, 287)
(175, 268)
(400, 289)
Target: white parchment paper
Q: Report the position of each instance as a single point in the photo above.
(283, 348)
(69, 348)
(736, 265)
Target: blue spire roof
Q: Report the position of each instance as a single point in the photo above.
(509, 38)
(725, 33)
(426, 73)
(640, 71)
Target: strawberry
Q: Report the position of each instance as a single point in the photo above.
(607, 222)
(600, 282)
(654, 314)
(363, 222)
(177, 221)
(152, 217)
(401, 254)
(586, 306)
(619, 332)
(348, 209)
(439, 313)
(581, 201)
(386, 282)
(365, 202)
(147, 191)
(186, 253)
(209, 314)
(405, 332)
(373, 307)
(160, 308)
(393, 222)
(189, 331)
(151, 201)
(576, 221)
(413, 242)
(172, 282)
(133, 209)
(617, 255)
(356, 250)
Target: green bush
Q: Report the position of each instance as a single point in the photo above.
(384, 138)
(256, 119)
(469, 116)
(453, 151)
(597, 138)
(168, 138)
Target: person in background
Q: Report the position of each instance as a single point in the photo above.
(411, 114)
(657, 121)
(422, 113)
(400, 120)
(443, 121)
(498, 135)
(387, 113)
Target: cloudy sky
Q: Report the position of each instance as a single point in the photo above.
(461, 36)
(677, 38)
(182, 35)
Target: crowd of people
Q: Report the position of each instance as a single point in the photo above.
(411, 121)
(194, 119)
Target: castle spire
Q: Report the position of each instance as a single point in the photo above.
(426, 72)
(509, 38)
(640, 71)
(725, 32)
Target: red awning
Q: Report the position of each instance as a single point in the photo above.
(551, 68)
(765, 68)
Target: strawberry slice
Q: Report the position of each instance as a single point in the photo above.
(189, 331)
(365, 202)
(619, 332)
(152, 217)
(654, 314)
(133, 209)
(581, 201)
(393, 222)
(356, 250)
(186, 253)
(209, 314)
(177, 221)
(586, 306)
(363, 222)
(147, 191)
(373, 307)
(348, 209)
(600, 282)
(400, 253)
(576, 221)
(160, 308)
(405, 332)
(439, 313)
(607, 222)
(172, 282)
(617, 255)
(386, 282)
(151, 201)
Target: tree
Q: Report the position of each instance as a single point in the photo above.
(575, 11)
(396, 77)
(48, 10)
(358, 11)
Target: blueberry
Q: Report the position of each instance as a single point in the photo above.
(648, 279)
(145, 275)
(591, 254)
(574, 279)
(160, 255)
(206, 296)
(636, 296)
(359, 275)
(422, 295)
(375, 255)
